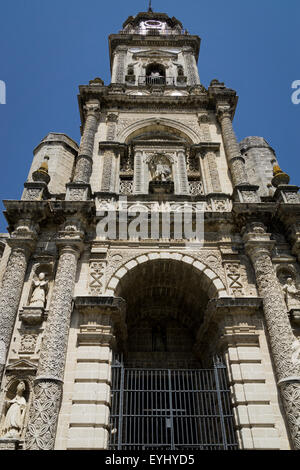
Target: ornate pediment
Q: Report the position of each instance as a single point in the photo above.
(23, 365)
(157, 54)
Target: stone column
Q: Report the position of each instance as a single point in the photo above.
(235, 160)
(48, 388)
(21, 244)
(78, 188)
(281, 339)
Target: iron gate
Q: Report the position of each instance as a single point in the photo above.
(171, 409)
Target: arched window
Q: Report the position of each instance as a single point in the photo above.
(155, 74)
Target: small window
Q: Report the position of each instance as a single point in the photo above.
(155, 74)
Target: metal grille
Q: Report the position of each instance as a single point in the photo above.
(159, 80)
(171, 409)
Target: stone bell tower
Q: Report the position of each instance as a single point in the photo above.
(119, 327)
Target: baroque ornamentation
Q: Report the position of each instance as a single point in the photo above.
(97, 276)
(234, 279)
(126, 186)
(28, 343)
(196, 188)
(40, 433)
(10, 294)
(32, 194)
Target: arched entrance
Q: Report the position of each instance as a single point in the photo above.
(163, 395)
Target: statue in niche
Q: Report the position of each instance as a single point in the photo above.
(292, 295)
(14, 418)
(160, 168)
(39, 294)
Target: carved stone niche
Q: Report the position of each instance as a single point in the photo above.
(15, 403)
(36, 310)
(160, 168)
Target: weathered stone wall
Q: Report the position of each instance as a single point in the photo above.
(259, 161)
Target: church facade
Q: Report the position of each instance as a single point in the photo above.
(150, 278)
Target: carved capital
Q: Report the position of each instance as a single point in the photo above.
(92, 108)
(224, 111)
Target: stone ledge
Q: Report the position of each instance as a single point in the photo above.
(244, 302)
(11, 444)
(115, 303)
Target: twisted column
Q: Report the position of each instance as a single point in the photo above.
(282, 341)
(12, 285)
(84, 163)
(235, 160)
(48, 387)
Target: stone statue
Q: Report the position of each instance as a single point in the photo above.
(160, 169)
(14, 418)
(39, 294)
(292, 295)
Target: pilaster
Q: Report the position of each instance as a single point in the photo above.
(281, 338)
(101, 323)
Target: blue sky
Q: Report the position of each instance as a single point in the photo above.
(49, 48)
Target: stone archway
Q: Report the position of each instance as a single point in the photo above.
(181, 130)
(166, 296)
(159, 375)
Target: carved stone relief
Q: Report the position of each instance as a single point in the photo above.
(97, 277)
(28, 343)
(234, 279)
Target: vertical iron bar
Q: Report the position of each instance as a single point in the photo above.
(120, 430)
(171, 410)
(223, 428)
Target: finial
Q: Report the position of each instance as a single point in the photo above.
(279, 177)
(42, 173)
(150, 7)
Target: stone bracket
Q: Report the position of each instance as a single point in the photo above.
(33, 315)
